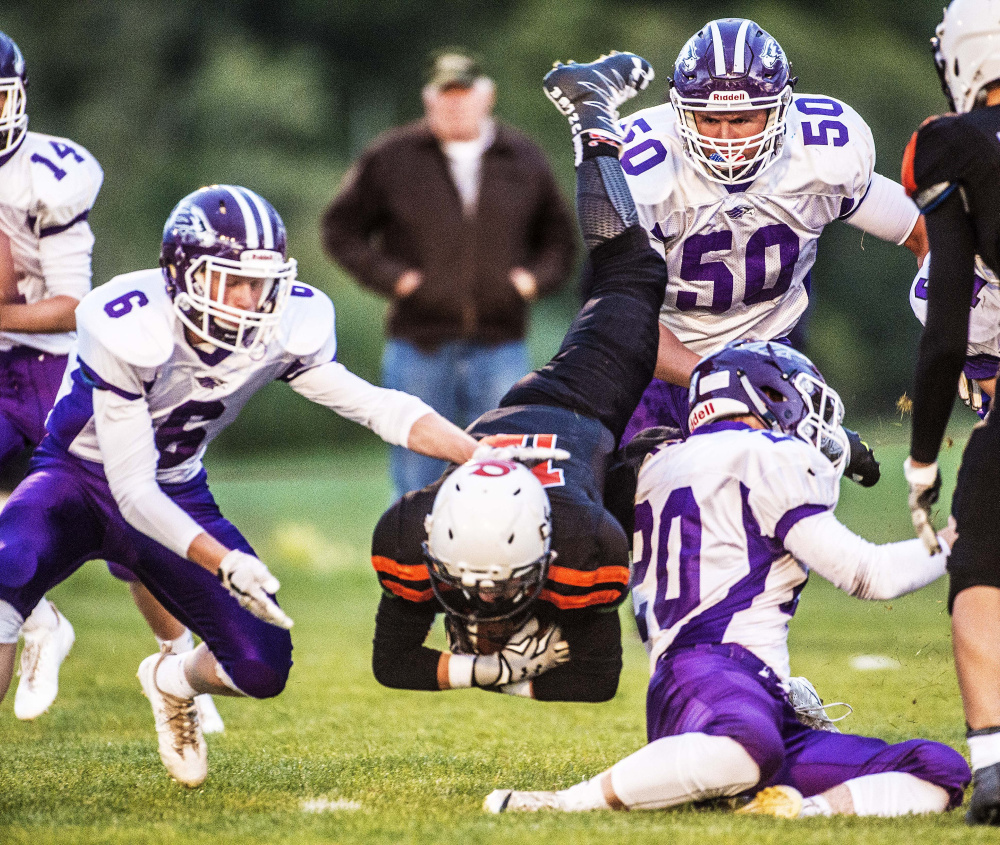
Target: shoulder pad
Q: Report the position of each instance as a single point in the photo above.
(834, 139)
(308, 321)
(65, 180)
(132, 317)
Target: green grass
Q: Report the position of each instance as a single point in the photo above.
(417, 764)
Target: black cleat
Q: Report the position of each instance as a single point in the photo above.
(984, 808)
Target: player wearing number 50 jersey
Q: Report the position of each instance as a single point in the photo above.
(165, 359)
(735, 180)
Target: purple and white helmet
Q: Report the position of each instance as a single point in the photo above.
(13, 114)
(216, 234)
(732, 65)
(774, 383)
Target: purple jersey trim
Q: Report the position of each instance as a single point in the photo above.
(981, 366)
(92, 379)
(217, 355)
(71, 413)
(848, 206)
(786, 522)
(710, 625)
(297, 368)
(56, 230)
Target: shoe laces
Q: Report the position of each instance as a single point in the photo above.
(30, 658)
(180, 714)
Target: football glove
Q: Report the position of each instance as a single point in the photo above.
(925, 487)
(528, 455)
(249, 581)
(527, 655)
(970, 393)
(861, 465)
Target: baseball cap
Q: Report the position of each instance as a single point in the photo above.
(453, 69)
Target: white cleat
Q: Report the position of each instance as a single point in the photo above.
(179, 735)
(43, 653)
(510, 801)
(781, 802)
(208, 714)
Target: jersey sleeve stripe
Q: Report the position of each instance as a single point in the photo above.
(388, 566)
(795, 515)
(601, 575)
(92, 379)
(407, 593)
(595, 599)
(55, 230)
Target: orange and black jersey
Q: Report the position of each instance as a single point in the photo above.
(952, 169)
(587, 580)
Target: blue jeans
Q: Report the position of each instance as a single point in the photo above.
(460, 380)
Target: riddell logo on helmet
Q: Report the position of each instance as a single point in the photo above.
(262, 256)
(729, 97)
(701, 414)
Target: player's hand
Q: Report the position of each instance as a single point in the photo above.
(925, 487)
(528, 654)
(861, 465)
(251, 582)
(407, 283)
(528, 455)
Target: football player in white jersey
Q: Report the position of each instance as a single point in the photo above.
(48, 186)
(977, 384)
(164, 361)
(729, 523)
(734, 179)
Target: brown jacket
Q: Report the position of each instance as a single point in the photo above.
(398, 210)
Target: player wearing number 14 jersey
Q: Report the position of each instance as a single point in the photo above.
(735, 179)
(165, 359)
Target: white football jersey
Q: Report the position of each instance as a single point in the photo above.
(711, 515)
(984, 316)
(47, 189)
(132, 343)
(739, 260)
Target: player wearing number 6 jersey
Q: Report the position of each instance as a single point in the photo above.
(735, 179)
(729, 523)
(165, 360)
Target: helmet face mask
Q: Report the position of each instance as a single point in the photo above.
(13, 113)
(778, 386)
(967, 51)
(488, 546)
(227, 239)
(732, 65)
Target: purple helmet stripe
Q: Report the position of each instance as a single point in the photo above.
(739, 64)
(250, 225)
(719, 48)
(265, 219)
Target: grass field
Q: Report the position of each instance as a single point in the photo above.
(337, 758)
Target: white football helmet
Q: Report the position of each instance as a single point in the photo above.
(488, 540)
(967, 51)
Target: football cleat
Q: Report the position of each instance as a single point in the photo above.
(984, 808)
(43, 653)
(179, 735)
(782, 802)
(809, 707)
(208, 715)
(590, 94)
(510, 801)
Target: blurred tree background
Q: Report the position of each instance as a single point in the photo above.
(281, 96)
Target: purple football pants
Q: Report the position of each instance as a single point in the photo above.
(63, 514)
(29, 381)
(725, 690)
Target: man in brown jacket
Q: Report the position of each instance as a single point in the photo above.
(457, 219)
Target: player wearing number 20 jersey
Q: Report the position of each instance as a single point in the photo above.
(738, 223)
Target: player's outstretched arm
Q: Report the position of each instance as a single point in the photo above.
(435, 436)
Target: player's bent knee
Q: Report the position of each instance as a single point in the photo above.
(18, 563)
(940, 765)
(256, 678)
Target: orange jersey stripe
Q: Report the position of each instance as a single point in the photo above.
(407, 593)
(576, 602)
(414, 572)
(601, 575)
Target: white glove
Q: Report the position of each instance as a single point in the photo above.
(970, 392)
(925, 487)
(249, 581)
(528, 455)
(527, 655)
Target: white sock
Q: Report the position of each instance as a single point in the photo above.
(895, 794)
(584, 796)
(815, 806)
(171, 676)
(42, 618)
(984, 750)
(677, 769)
(181, 644)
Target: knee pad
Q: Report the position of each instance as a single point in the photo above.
(253, 678)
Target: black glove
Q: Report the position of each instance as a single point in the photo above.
(862, 466)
